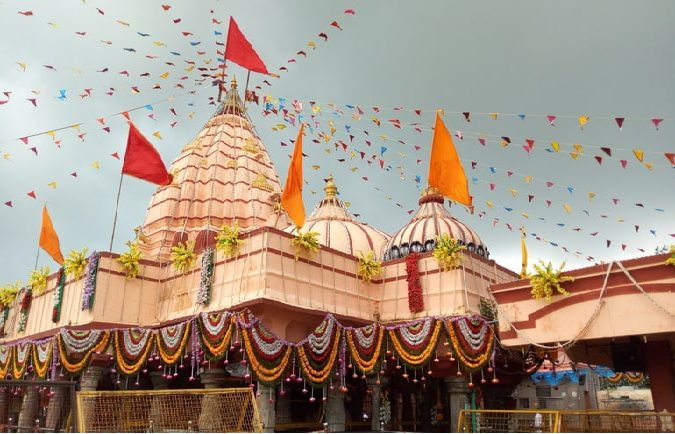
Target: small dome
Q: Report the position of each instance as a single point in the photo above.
(431, 220)
(337, 228)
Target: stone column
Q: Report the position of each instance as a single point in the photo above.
(335, 410)
(459, 395)
(55, 409)
(4, 406)
(212, 378)
(375, 399)
(29, 409)
(89, 383)
(266, 408)
(157, 414)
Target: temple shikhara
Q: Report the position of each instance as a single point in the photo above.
(333, 325)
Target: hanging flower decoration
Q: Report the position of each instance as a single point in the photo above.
(8, 293)
(307, 242)
(90, 281)
(183, 256)
(472, 340)
(671, 260)
(131, 348)
(385, 409)
(546, 280)
(5, 360)
(130, 260)
(42, 357)
(364, 345)
(215, 330)
(448, 252)
(368, 266)
(38, 280)
(75, 262)
(416, 341)
(4, 313)
(172, 341)
(205, 278)
(76, 348)
(319, 352)
(268, 354)
(20, 358)
(25, 306)
(58, 295)
(415, 299)
(227, 240)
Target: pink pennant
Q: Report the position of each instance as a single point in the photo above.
(609, 242)
(481, 140)
(473, 164)
(32, 194)
(607, 151)
(637, 228)
(492, 186)
(656, 122)
(9, 203)
(106, 129)
(467, 116)
(74, 174)
(619, 122)
(24, 140)
(548, 202)
(615, 200)
(530, 143)
(623, 247)
(549, 184)
(34, 149)
(509, 173)
(115, 155)
(418, 112)
(551, 118)
(530, 197)
(527, 149)
(624, 163)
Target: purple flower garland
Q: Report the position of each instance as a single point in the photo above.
(90, 282)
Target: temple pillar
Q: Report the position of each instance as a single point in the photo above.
(55, 409)
(4, 407)
(90, 378)
(265, 401)
(459, 397)
(29, 409)
(335, 410)
(211, 378)
(376, 384)
(659, 361)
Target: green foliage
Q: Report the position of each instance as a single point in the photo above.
(368, 266)
(75, 263)
(183, 256)
(447, 252)
(228, 240)
(8, 293)
(38, 279)
(130, 260)
(309, 242)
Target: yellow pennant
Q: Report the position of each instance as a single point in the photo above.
(574, 155)
(577, 147)
(582, 121)
(591, 195)
(156, 134)
(555, 146)
(638, 154)
(567, 208)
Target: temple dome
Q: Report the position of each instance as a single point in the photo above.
(431, 220)
(337, 228)
(224, 175)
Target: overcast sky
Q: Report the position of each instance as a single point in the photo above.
(372, 74)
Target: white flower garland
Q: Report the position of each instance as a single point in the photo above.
(214, 329)
(366, 341)
(80, 341)
(172, 335)
(322, 343)
(415, 339)
(475, 340)
(268, 348)
(134, 349)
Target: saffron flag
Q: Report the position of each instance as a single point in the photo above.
(445, 169)
(49, 241)
(241, 52)
(291, 197)
(523, 248)
(142, 160)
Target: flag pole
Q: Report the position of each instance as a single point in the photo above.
(37, 254)
(248, 75)
(117, 204)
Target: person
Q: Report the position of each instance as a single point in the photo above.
(538, 422)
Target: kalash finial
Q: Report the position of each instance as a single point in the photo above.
(330, 188)
(233, 83)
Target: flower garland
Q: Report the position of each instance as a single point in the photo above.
(268, 354)
(365, 344)
(228, 240)
(447, 252)
(368, 266)
(3, 318)
(215, 330)
(309, 242)
(131, 348)
(415, 300)
(472, 340)
(75, 262)
(172, 340)
(319, 351)
(385, 409)
(20, 358)
(5, 360)
(90, 281)
(58, 295)
(415, 342)
(42, 357)
(205, 278)
(130, 260)
(548, 279)
(25, 306)
(76, 347)
(183, 256)
(38, 280)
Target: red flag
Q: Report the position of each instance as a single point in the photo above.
(241, 52)
(291, 197)
(142, 160)
(445, 169)
(49, 241)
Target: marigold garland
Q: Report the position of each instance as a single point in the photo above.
(472, 340)
(416, 342)
(415, 300)
(38, 280)
(215, 331)
(267, 354)
(75, 262)
(172, 340)
(20, 359)
(131, 347)
(365, 345)
(77, 347)
(5, 360)
(58, 295)
(319, 352)
(42, 357)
